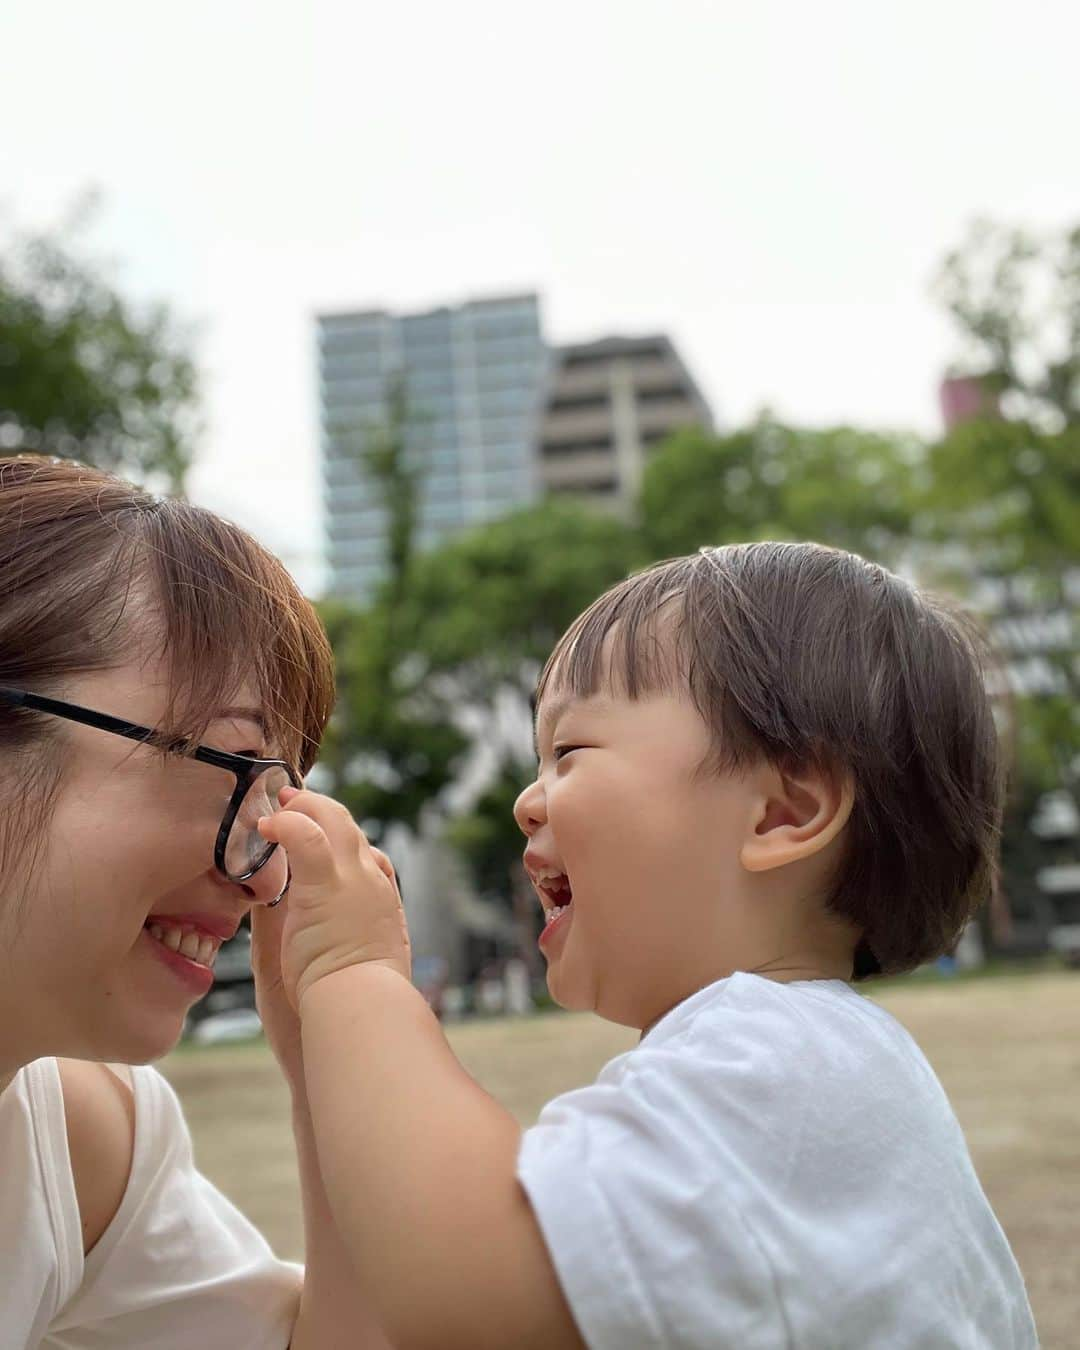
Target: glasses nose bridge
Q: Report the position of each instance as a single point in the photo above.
(240, 847)
(268, 884)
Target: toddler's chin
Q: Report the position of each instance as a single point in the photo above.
(566, 994)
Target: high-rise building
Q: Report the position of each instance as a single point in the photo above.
(473, 378)
(609, 404)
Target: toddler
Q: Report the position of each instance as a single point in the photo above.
(765, 771)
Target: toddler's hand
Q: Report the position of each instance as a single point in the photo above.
(343, 903)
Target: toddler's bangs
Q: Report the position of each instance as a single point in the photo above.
(629, 640)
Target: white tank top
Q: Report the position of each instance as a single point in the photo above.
(178, 1265)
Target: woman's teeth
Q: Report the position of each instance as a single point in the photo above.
(196, 947)
(553, 914)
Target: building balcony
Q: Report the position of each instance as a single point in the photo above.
(664, 415)
(577, 424)
(577, 471)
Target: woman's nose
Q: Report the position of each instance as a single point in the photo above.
(270, 880)
(530, 809)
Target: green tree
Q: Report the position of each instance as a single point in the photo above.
(1015, 299)
(392, 745)
(390, 748)
(488, 839)
(1000, 504)
(486, 610)
(86, 375)
(488, 606)
(1002, 498)
(1006, 497)
(394, 466)
(845, 487)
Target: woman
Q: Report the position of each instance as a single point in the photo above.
(161, 678)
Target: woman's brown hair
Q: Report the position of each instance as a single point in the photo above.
(798, 653)
(91, 565)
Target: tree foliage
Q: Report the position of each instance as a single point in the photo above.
(471, 622)
(488, 606)
(1001, 502)
(1009, 493)
(86, 375)
(491, 845)
(486, 610)
(1015, 299)
(845, 487)
(392, 745)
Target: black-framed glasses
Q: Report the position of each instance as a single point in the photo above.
(239, 850)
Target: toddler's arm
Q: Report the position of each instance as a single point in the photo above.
(418, 1161)
(333, 1313)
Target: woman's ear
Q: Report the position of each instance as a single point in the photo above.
(798, 811)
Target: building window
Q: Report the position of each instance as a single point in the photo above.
(589, 486)
(668, 394)
(561, 402)
(563, 449)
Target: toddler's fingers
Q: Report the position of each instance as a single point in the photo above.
(311, 857)
(333, 819)
(385, 866)
(266, 930)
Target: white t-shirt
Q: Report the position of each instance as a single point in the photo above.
(178, 1265)
(773, 1166)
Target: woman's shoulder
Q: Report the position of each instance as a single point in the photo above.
(99, 1109)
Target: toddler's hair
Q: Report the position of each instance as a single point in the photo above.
(801, 654)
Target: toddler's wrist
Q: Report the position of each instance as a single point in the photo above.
(320, 975)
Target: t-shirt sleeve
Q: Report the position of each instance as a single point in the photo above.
(179, 1265)
(626, 1180)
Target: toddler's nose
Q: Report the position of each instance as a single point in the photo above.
(530, 809)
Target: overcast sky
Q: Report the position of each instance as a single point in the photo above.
(772, 183)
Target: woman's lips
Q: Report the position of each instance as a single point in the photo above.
(196, 978)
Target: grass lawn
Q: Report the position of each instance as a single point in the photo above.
(1007, 1050)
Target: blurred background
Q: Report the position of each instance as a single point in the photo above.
(467, 311)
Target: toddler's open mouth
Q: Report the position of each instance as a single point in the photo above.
(555, 892)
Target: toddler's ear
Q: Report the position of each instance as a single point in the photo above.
(797, 811)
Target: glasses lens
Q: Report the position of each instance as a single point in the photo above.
(245, 849)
